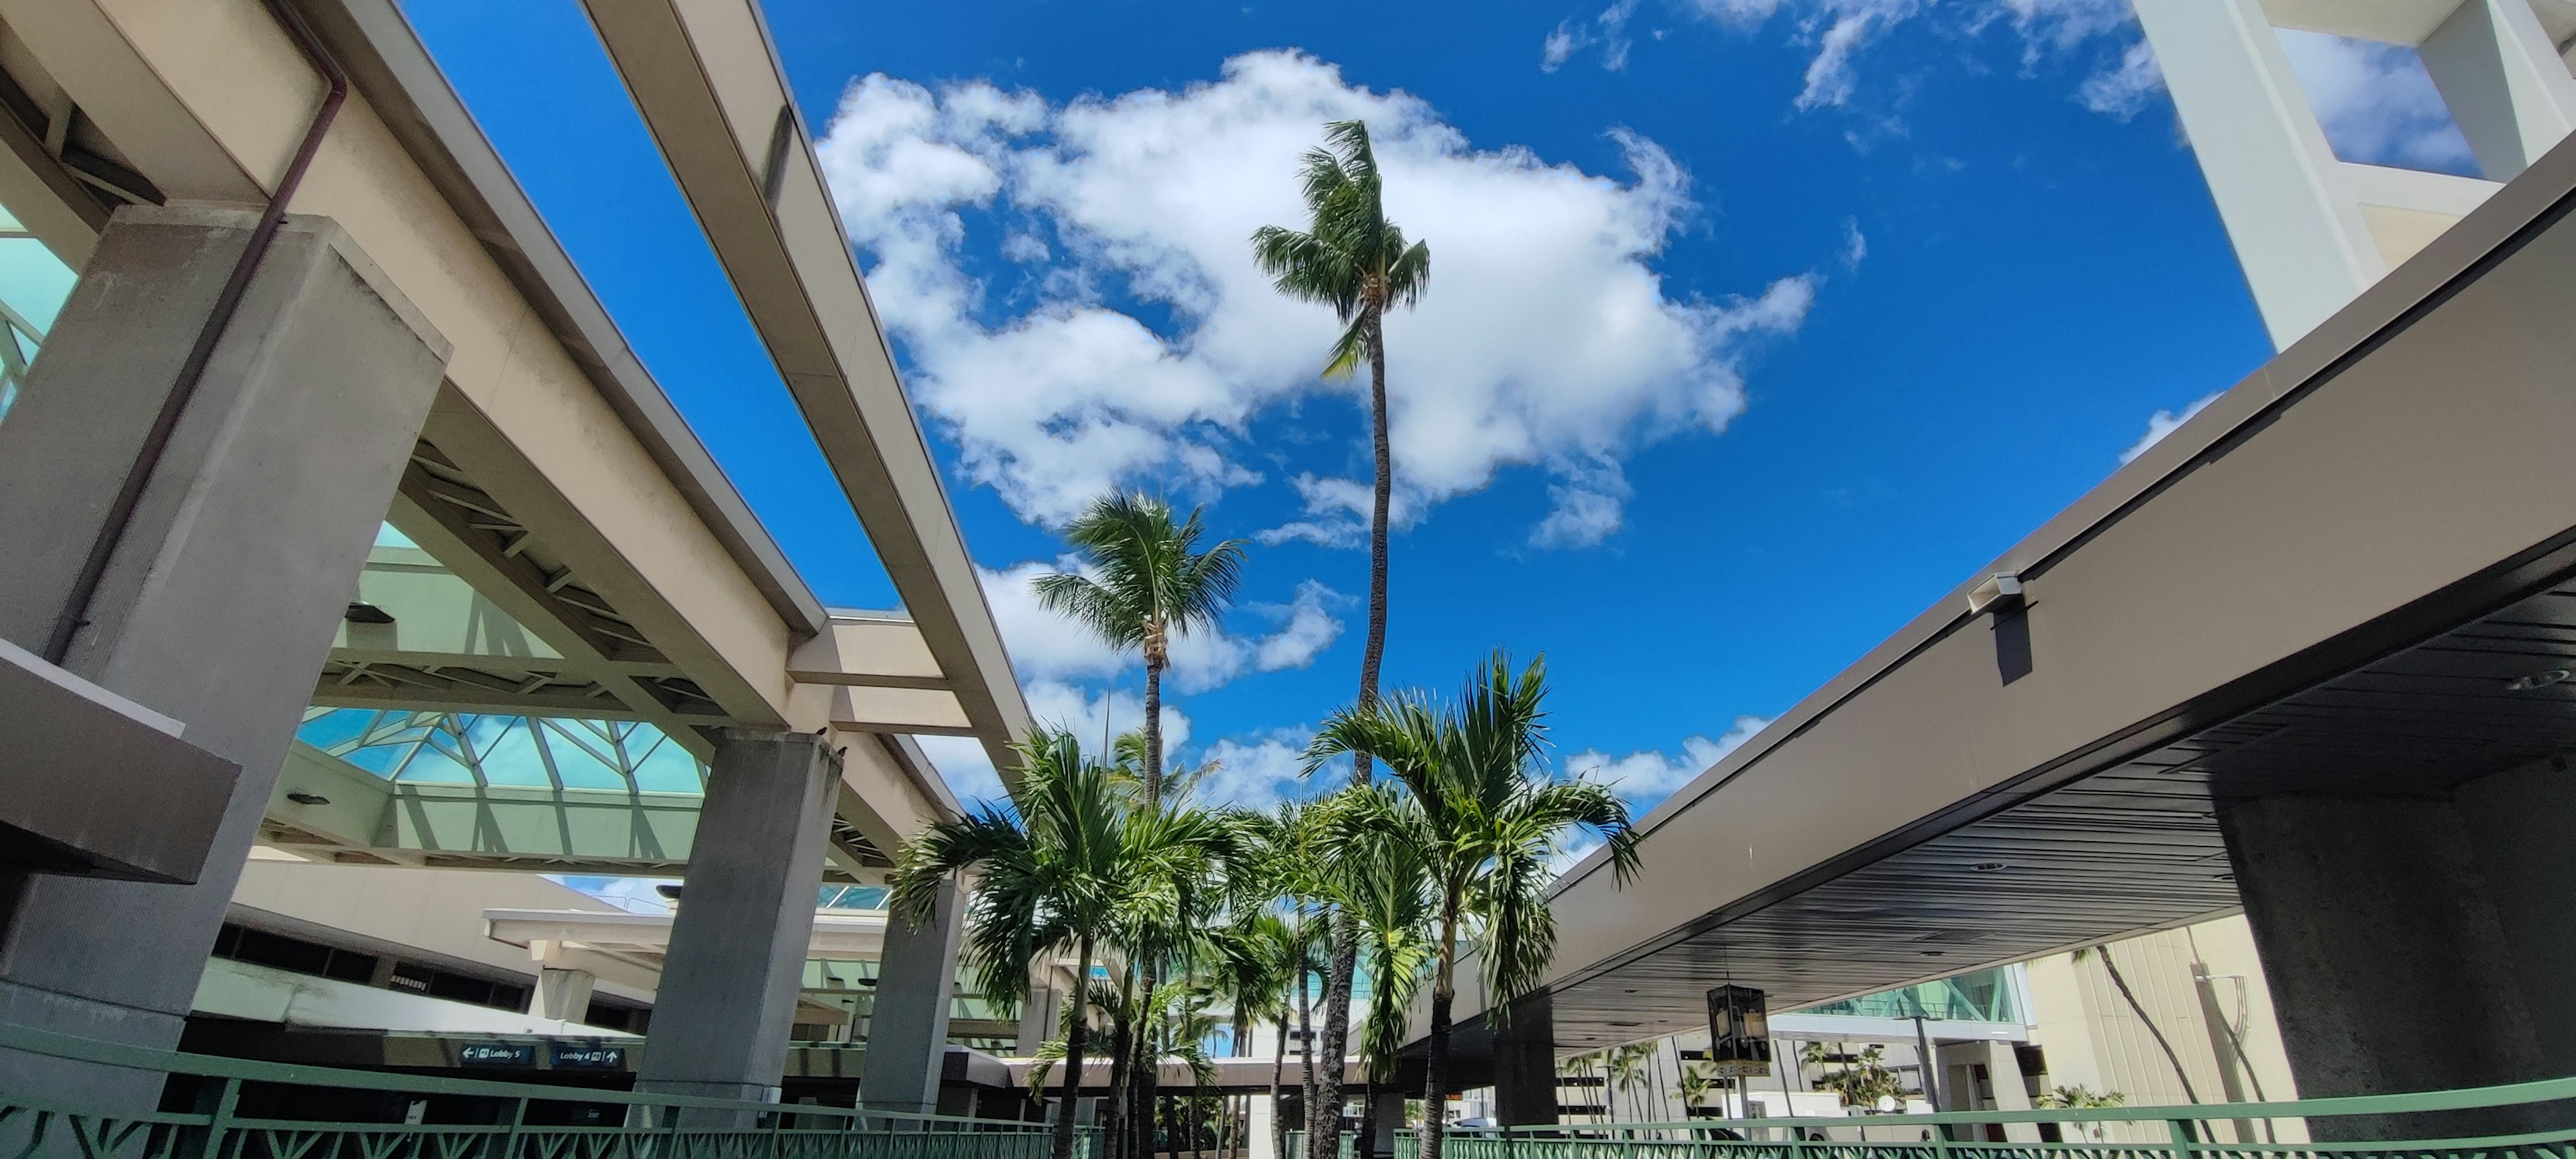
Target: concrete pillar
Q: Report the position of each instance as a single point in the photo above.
(563, 995)
(219, 604)
(737, 958)
(1042, 1015)
(1389, 1120)
(2518, 823)
(908, 1022)
(2505, 85)
(2304, 244)
(1525, 1064)
(2389, 964)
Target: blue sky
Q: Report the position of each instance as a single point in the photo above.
(1754, 325)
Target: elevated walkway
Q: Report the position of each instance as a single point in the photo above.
(2350, 580)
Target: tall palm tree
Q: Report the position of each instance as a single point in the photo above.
(1487, 816)
(1351, 258)
(1055, 864)
(1151, 585)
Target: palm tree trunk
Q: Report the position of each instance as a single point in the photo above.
(1337, 990)
(1368, 1115)
(1435, 1082)
(1122, 1048)
(2113, 968)
(1435, 1070)
(1306, 1051)
(1381, 502)
(1324, 1104)
(1153, 733)
(1278, 1069)
(1073, 1043)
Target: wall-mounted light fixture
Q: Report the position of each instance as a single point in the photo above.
(2000, 594)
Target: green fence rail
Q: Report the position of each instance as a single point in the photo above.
(2523, 1121)
(247, 1109)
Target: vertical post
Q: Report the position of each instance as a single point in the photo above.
(908, 1026)
(746, 917)
(220, 601)
(2304, 245)
(219, 1125)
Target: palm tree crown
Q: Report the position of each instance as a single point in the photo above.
(1148, 583)
(1486, 816)
(1350, 257)
(1070, 864)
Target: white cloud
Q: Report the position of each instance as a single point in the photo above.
(1570, 38)
(1046, 646)
(2165, 422)
(1647, 776)
(1262, 771)
(1855, 244)
(1541, 278)
(1587, 505)
(1560, 45)
(1829, 76)
(2125, 91)
(1840, 29)
(2376, 103)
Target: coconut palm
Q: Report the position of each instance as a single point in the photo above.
(1487, 818)
(1056, 863)
(1148, 584)
(1351, 258)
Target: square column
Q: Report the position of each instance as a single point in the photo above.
(1525, 1064)
(2390, 965)
(908, 1021)
(737, 956)
(218, 606)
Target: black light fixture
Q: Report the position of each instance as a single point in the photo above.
(1989, 866)
(366, 613)
(1932, 953)
(2544, 679)
(1739, 1032)
(301, 797)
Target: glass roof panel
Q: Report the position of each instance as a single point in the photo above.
(408, 746)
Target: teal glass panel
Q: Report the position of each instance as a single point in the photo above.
(513, 751)
(33, 286)
(1980, 996)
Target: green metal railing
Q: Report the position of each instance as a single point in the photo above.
(505, 1120)
(2523, 1121)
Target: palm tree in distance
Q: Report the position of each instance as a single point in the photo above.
(1351, 258)
(1486, 816)
(1151, 585)
(1055, 866)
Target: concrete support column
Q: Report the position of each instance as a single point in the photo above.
(737, 956)
(2304, 244)
(2389, 964)
(1389, 1120)
(1042, 1015)
(1525, 1064)
(563, 995)
(2505, 85)
(219, 604)
(908, 1023)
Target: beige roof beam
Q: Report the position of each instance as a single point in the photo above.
(710, 89)
(868, 649)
